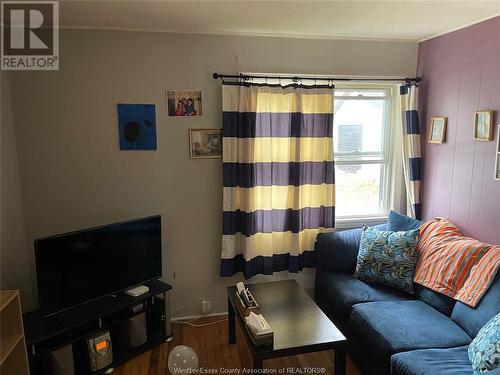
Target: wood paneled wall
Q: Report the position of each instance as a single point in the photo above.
(461, 74)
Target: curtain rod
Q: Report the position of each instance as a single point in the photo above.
(407, 80)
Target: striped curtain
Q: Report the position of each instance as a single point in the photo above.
(278, 171)
(411, 148)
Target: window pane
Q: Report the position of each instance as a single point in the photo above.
(357, 189)
(358, 125)
(365, 92)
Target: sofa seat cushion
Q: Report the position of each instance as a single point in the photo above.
(451, 361)
(395, 326)
(341, 291)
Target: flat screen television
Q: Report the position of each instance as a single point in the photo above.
(82, 266)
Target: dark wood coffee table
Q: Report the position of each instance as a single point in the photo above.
(299, 325)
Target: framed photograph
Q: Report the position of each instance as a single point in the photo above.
(483, 126)
(184, 103)
(437, 129)
(205, 143)
(137, 126)
(497, 156)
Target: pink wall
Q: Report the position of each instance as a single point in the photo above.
(461, 74)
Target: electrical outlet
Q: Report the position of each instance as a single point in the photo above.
(205, 307)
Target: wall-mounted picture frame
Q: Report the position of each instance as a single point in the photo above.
(136, 126)
(483, 126)
(497, 155)
(205, 143)
(437, 129)
(184, 103)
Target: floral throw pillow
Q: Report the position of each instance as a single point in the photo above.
(484, 350)
(388, 258)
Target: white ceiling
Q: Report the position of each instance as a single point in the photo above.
(377, 19)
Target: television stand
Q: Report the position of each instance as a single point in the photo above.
(70, 329)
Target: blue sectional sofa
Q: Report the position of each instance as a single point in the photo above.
(391, 332)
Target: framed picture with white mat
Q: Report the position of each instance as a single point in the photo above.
(497, 155)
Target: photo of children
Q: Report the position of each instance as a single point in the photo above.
(184, 103)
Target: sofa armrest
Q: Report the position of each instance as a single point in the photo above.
(338, 251)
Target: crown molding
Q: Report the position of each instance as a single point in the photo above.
(236, 33)
(459, 28)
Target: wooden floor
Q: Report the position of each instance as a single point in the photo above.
(214, 352)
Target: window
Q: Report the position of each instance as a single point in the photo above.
(362, 165)
(361, 148)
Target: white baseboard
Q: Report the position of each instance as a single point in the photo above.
(190, 317)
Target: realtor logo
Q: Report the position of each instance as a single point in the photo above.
(30, 35)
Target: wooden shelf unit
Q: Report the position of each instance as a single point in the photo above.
(13, 357)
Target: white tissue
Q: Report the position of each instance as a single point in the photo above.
(258, 324)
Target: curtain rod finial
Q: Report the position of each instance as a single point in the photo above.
(412, 81)
(216, 75)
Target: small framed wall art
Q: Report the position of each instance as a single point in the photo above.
(184, 103)
(205, 143)
(483, 126)
(437, 129)
(497, 156)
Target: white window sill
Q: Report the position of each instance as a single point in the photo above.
(358, 222)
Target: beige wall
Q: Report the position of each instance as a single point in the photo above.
(73, 174)
(14, 262)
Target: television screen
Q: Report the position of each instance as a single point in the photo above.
(81, 266)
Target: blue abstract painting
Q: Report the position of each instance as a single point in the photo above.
(137, 126)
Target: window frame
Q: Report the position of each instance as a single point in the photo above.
(380, 158)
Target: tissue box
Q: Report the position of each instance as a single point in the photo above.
(260, 340)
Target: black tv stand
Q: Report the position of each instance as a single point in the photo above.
(71, 327)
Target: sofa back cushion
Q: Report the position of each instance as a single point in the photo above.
(472, 319)
(440, 302)
(480, 278)
(446, 259)
(397, 222)
(338, 251)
